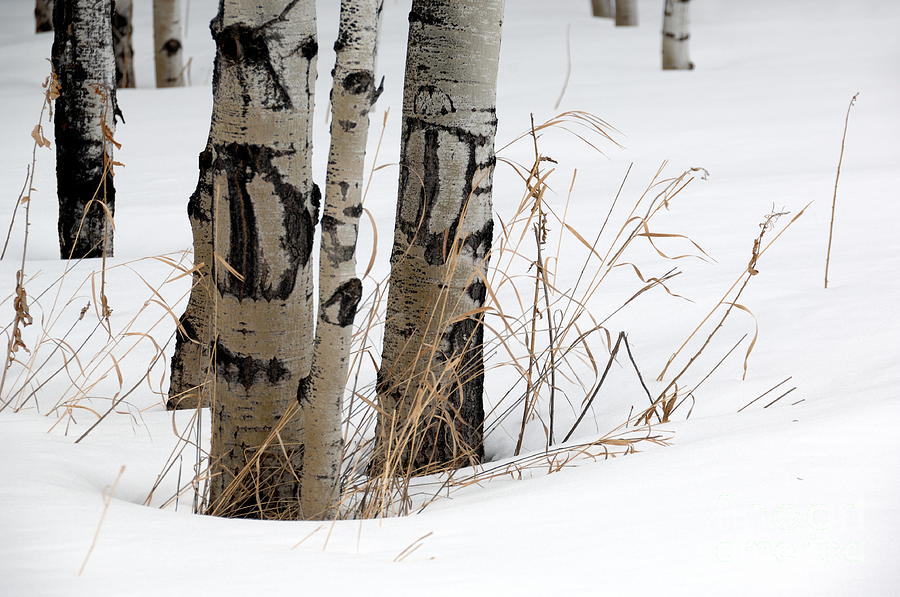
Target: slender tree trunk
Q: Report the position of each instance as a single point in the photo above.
(191, 372)
(43, 15)
(432, 371)
(122, 27)
(675, 36)
(167, 43)
(626, 13)
(602, 8)
(353, 93)
(84, 122)
(265, 209)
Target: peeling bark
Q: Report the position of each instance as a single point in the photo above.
(167, 43)
(43, 16)
(265, 208)
(602, 8)
(626, 13)
(83, 61)
(675, 36)
(121, 29)
(352, 96)
(432, 359)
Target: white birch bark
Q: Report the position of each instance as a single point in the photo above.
(353, 93)
(43, 15)
(265, 209)
(122, 28)
(167, 43)
(433, 355)
(83, 61)
(675, 36)
(602, 8)
(626, 13)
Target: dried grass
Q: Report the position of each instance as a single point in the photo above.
(544, 336)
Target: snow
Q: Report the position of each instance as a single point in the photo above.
(793, 499)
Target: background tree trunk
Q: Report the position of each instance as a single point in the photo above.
(602, 8)
(190, 372)
(432, 360)
(265, 209)
(43, 15)
(675, 36)
(626, 13)
(121, 28)
(167, 43)
(353, 93)
(82, 57)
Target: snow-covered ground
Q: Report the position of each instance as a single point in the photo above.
(800, 498)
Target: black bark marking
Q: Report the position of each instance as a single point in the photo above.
(439, 245)
(248, 48)
(477, 292)
(480, 241)
(171, 47)
(343, 40)
(309, 49)
(329, 223)
(427, 14)
(247, 370)
(337, 253)
(430, 101)
(303, 390)
(186, 330)
(241, 163)
(377, 93)
(195, 208)
(354, 211)
(359, 82)
(346, 297)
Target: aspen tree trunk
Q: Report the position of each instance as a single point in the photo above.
(190, 372)
(353, 93)
(675, 36)
(43, 16)
(122, 28)
(602, 8)
(432, 360)
(82, 58)
(167, 43)
(265, 209)
(626, 13)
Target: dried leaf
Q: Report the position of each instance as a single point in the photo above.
(108, 135)
(37, 133)
(51, 84)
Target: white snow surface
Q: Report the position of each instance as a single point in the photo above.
(794, 499)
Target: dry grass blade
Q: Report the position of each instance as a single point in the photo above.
(108, 493)
(837, 178)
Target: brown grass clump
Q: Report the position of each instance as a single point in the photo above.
(548, 346)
